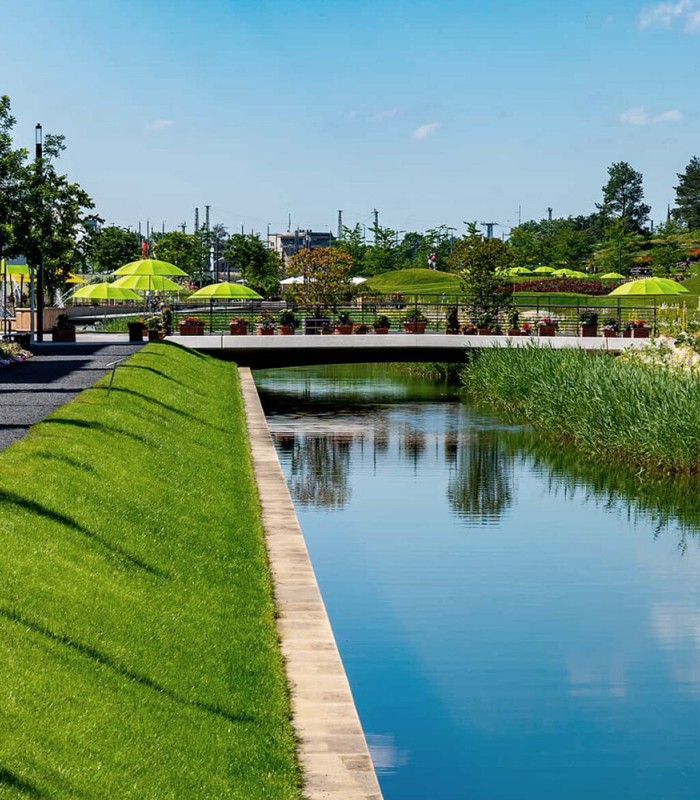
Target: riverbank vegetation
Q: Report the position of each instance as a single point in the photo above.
(612, 409)
(140, 655)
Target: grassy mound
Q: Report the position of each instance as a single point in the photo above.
(413, 282)
(140, 656)
(610, 408)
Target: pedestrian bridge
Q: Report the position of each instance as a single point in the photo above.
(259, 352)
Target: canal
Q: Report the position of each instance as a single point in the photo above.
(514, 622)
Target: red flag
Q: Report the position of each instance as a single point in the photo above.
(144, 249)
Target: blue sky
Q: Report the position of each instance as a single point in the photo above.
(432, 112)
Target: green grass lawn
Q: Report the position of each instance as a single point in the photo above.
(140, 656)
(413, 282)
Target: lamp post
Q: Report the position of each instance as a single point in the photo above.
(38, 157)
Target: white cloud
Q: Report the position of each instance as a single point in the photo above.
(666, 14)
(159, 124)
(640, 116)
(424, 131)
(380, 116)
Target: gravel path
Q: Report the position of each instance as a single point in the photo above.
(57, 373)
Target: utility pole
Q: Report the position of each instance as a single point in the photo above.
(162, 229)
(549, 213)
(376, 225)
(183, 225)
(340, 224)
(289, 223)
(148, 230)
(520, 214)
(196, 220)
(206, 218)
(39, 158)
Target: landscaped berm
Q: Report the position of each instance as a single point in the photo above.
(139, 652)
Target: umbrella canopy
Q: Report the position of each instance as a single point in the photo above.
(72, 278)
(14, 270)
(544, 270)
(519, 271)
(568, 273)
(650, 286)
(612, 276)
(149, 266)
(147, 282)
(225, 291)
(104, 291)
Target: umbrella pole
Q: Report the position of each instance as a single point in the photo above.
(211, 316)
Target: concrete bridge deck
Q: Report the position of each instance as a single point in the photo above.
(288, 351)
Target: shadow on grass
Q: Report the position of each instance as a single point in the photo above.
(95, 426)
(155, 371)
(177, 411)
(106, 660)
(55, 516)
(11, 780)
(64, 459)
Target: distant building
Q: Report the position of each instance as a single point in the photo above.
(288, 244)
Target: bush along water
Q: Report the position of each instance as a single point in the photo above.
(644, 412)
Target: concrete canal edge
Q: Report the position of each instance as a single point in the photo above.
(333, 751)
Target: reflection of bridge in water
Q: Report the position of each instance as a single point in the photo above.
(294, 351)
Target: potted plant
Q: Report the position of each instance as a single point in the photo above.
(343, 325)
(639, 329)
(452, 321)
(361, 329)
(191, 326)
(588, 323)
(470, 329)
(513, 320)
(238, 326)
(611, 326)
(484, 324)
(136, 330)
(287, 323)
(265, 324)
(63, 330)
(547, 326)
(153, 325)
(526, 329)
(415, 322)
(381, 324)
(166, 316)
(327, 328)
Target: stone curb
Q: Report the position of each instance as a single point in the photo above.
(333, 752)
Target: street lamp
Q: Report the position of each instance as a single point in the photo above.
(38, 157)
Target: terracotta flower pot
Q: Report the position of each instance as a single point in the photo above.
(641, 333)
(546, 330)
(238, 328)
(588, 330)
(485, 331)
(415, 327)
(359, 332)
(381, 330)
(327, 332)
(191, 330)
(343, 330)
(513, 331)
(285, 330)
(265, 331)
(154, 336)
(627, 334)
(610, 334)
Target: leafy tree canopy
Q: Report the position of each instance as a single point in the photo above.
(687, 208)
(260, 267)
(623, 195)
(326, 272)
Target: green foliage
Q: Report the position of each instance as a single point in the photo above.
(623, 195)
(668, 249)
(112, 247)
(687, 209)
(260, 267)
(326, 272)
(11, 164)
(136, 611)
(563, 242)
(352, 242)
(620, 248)
(185, 250)
(482, 264)
(609, 407)
(383, 256)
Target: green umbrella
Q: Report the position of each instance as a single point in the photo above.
(650, 286)
(568, 273)
(519, 271)
(104, 291)
(149, 266)
(14, 269)
(147, 282)
(544, 270)
(225, 291)
(611, 276)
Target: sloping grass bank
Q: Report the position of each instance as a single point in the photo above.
(139, 653)
(610, 408)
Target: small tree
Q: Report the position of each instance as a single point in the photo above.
(112, 247)
(260, 267)
(623, 195)
(326, 272)
(688, 195)
(182, 249)
(482, 264)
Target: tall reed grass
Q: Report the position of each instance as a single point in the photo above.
(611, 408)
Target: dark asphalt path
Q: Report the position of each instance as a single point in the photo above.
(57, 373)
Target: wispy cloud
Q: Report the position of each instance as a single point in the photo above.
(380, 116)
(640, 116)
(424, 131)
(159, 124)
(667, 14)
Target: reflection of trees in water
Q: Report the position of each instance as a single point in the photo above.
(639, 496)
(319, 467)
(412, 443)
(480, 487)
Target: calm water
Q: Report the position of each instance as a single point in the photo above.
(513, 623)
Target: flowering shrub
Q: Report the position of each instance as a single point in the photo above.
(611, 324)
(266, 321)
(526, 328)
(638, 323)
(11, 353)
(192, 321)
(577, 285)
(547, 322)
